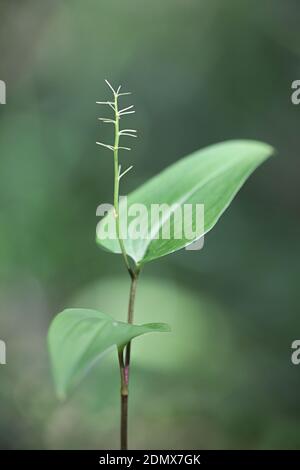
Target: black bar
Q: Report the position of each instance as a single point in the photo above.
(137, 458)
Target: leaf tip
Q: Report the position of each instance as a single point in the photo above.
(160, 327)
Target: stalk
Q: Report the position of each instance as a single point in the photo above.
(125, 366)
(124, 352)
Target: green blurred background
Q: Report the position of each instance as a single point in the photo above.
(200, 72)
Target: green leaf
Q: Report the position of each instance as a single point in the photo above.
(211, 176)
(78, 337)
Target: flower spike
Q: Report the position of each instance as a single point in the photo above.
(118, 113)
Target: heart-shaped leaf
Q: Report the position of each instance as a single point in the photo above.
(78, 337)
(211, 177)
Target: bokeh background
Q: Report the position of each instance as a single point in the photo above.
(200, 72)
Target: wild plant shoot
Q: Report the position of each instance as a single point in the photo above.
(169, 212)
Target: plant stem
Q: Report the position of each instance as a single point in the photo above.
(125, 365)
(124, 404)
